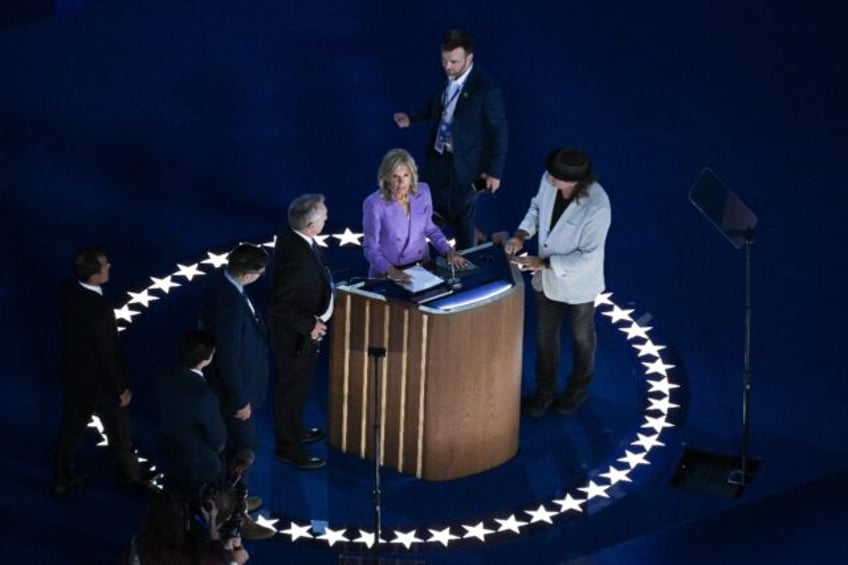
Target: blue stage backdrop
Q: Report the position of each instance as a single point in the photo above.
(162, 128)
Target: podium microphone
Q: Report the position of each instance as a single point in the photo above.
(454, 281)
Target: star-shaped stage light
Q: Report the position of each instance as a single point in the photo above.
(478, 531)
(406, 538)
(634, 459)
(603, 299)
(348, 237)
(635, 330)
(321, 240)
(189, 272)
(541, 514)
(663, 385)
(124, 313)
(266, 522)
(661, 404)
(96, 424)
(144, 297)
(333, 536)
(511, 524)
(617, 314)
(657, 423)
(443, 537)
(270, 244)
(165, 284)
(217, 260)
(649, 348)
(594, 490)
(657, 367)
(296, 532)
(367, 538)
(615, 475)
(569, 503)
(648, 442)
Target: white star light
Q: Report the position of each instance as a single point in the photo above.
(442, 536)
(189, 272)
(635, 330)
(634, 459)
(541, 514)
(296, 532)
(332, 536)
(616, 476)
(657, 424)
(661, 404)
(270, 243)
(321, 240)
(366, 537)
(477, 531)
(594, 490)
(217, 260)
(144, 298)
(511, 524)
(266, 522)
(569, 503)
(663, 385)
(96, 424)
(124, 313)
(649, 348)
(648, 442)
(406, 538)
(657, 367)
(348, 237)
(165, 285)
(603, 298)
(617, 314)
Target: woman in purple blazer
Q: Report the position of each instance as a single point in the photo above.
(398, 219)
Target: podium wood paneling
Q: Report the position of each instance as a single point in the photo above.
(450, 383)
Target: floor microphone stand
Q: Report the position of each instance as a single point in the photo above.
(376, 353)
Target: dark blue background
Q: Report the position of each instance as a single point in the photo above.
(161, 129)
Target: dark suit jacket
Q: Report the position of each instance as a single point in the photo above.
(192, 428)
(93, 358)
(479, 127)
(301, 288)
(239, 370)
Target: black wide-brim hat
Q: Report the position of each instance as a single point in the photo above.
(569, 164)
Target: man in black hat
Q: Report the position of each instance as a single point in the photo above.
(571, 214)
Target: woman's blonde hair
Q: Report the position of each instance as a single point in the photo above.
(391, 161)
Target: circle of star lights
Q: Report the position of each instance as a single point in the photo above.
(658, 418)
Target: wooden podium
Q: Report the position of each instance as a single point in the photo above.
(450, 383)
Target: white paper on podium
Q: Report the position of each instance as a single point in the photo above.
(422, 279)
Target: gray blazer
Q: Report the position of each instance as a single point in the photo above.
(575, 244)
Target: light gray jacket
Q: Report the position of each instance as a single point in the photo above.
(575, 244)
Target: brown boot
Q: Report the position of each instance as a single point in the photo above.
(253, 531)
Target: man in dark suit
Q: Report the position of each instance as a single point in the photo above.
(94, 374)
(468, 138)
(193, 434)
(239, 372)
(301, 306)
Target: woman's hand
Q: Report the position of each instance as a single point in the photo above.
(397, 275)
(456, 259)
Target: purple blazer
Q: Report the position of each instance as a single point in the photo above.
(392, 238)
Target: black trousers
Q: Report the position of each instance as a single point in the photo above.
(296, 357)
(550, 317)
(76, 413)
(455, 203)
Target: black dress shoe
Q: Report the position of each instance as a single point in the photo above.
(538, 404)
(309, 435)
(569, 403)
(61, 488)
(304, 462)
